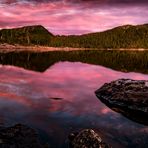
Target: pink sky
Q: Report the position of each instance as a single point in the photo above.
(73, 16)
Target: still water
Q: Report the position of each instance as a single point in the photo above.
(61, 100)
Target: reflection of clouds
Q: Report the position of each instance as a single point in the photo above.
(26, 95)
(74, 82)
(144, 130)
(105, 111)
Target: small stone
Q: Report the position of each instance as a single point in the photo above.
(87, 138)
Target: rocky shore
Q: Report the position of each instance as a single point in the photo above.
(22, 136)
(129, 97)
(6, 48)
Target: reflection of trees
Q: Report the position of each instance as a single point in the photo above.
(118, 60)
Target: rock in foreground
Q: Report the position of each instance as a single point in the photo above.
(19, 136)
(129, 97)
(86, 139)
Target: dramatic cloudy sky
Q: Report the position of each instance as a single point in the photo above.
(73, 16)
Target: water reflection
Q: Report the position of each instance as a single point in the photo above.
(28, 97)
(40, 61)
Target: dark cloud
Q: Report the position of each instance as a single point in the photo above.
(29, 1)
(8, 1)
(90, 2)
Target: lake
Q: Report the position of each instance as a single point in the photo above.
(60, 99)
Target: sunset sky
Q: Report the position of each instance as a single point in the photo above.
(73, 16)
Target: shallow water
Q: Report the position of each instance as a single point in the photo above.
(61, 100)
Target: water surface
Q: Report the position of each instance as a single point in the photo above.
(61, 100)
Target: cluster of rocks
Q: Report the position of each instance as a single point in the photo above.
(129, 97)
(19, 136)
(22, 136)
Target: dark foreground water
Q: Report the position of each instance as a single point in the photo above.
(61, 100)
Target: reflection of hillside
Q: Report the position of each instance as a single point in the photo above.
(119, 60)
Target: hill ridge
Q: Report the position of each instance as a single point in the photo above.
(126, 36)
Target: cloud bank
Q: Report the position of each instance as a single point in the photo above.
(73, 16)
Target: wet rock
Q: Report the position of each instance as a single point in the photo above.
(129, 97)
(86, 139)
(19, 136)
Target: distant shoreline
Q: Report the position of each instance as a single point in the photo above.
(36, 48)
(6, 48)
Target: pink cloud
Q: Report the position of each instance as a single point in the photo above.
(62, 17)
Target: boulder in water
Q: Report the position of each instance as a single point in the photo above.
(129, 97)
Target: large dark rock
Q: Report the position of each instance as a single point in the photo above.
(19, 136)
(129, 97)
(86, 139)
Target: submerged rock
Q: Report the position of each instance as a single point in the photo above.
(19, 136)
(86, 139)
(129, 97)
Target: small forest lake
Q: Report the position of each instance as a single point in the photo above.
(56, 96)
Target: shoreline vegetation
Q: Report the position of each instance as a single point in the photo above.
(6, 48)
(127, 37)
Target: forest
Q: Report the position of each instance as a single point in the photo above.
(127, 36)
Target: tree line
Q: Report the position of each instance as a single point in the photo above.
(120, 37)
